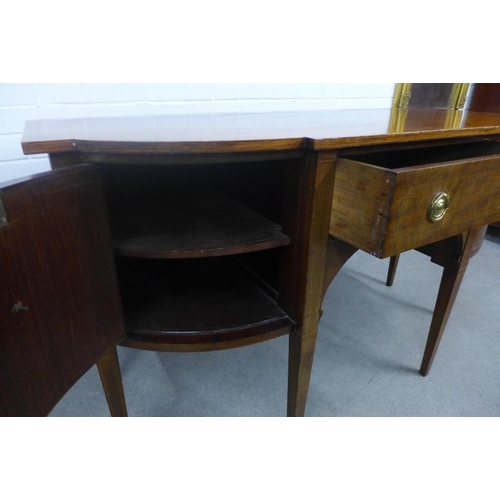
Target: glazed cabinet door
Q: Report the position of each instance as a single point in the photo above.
(60, 308)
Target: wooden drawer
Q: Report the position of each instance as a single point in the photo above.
(381, 200)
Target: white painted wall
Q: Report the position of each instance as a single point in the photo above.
(29, 101)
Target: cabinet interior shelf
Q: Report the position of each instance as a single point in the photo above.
(191, 225)
(195, 301)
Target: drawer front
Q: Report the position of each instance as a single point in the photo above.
(386, 211)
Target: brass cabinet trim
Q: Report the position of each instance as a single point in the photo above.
(456, 100)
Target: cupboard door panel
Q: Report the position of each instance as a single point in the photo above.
(60, 309)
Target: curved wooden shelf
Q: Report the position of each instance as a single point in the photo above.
(195, 305)
(191, 225)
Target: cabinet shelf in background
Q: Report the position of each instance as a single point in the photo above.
(209, 302)
(191, 225)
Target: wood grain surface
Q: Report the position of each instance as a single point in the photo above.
(381, 199)
(189, 225)
(56, 260)
(226, 133)
(194, 301)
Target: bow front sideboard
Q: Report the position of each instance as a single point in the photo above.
(204, 232)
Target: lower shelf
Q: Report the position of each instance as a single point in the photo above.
(201, 304)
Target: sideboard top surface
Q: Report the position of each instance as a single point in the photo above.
(251, 132)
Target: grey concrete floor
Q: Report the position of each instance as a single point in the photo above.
(369, 348)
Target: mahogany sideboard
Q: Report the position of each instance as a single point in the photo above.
(204, 232)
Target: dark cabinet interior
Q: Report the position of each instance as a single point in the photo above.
(198, 251)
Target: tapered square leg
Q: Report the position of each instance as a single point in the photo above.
(109, 371)
(303, 268)
(393, 265)
(301, 354)
(448, 290)
(451, 280)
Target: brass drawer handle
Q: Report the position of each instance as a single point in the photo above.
(438, 207)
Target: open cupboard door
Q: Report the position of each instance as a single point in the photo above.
(60, 310)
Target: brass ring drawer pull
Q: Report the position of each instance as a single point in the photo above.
(438, 207)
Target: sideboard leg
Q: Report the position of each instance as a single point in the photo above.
(451, 280)
(393, 265)
(302, 290)
(109, 371)
(300, 360)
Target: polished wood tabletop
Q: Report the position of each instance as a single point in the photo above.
(250, 132)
